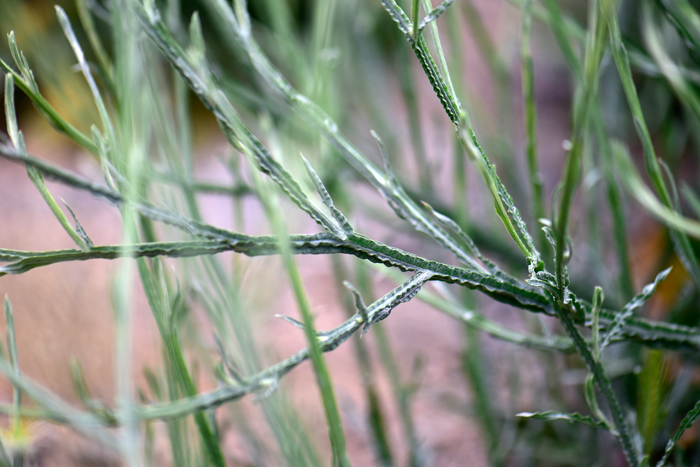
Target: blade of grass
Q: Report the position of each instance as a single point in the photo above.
(569, 417)
(687, 21)
(651, 392)
(528, 92)
(94, 38)
(586, 92)
(646, 198)
(323, 380)
(34, 174)
(614, 198)
(176, 364)
(654, 42)
(415, 15)
(686, 423)
(499, 69)
(473, 369)
(400, 393)
(408, 90)
(438, 49)
(557, 24)
(692, 199)
(107, 125)
(30, 88)
(16, 425)
(375, 415)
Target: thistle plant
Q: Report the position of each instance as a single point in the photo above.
(141, 86)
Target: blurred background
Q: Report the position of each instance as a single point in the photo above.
(439, 393)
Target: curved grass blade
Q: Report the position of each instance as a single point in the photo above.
(45, 109)
(569, 417)
(686, 423)
(320, 367)
(627, 311)
(97, 96)
(673, 74)
(33, 173)
(435, 13)
(645, 197)
(343, 228)
(471, 247)
(687, 22)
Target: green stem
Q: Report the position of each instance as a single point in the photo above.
(528, 90)
(323, 378)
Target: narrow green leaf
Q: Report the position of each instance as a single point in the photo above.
(530, 115)
(558, 26)
(343, 227)
(598, 297)
(10, 114)
(686, 423)
(94, 38)
(14, 365)
(435, 13)
(670, 70)
(290, 320)
(415, 14)
(38, 181)
(645, 197)
(359, 302)
(22, 64)
(692, 199)
(85, 68)
(471, 247)
(628, 309)
(48, 112)
(687, 22)
(196, 49)
(592, 401)
(79, 228)
(399, 295)
(323, 379)
(79, 383)
(444, 69)
(569, 417)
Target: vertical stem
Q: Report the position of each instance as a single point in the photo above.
(415, 14)
(528, 90)
(473, 371)
(18, 456)
(323, 379)
(624, 434)
(128, 162)
(401, 395)
(414, 123)
(375, 418)
(586, 92)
